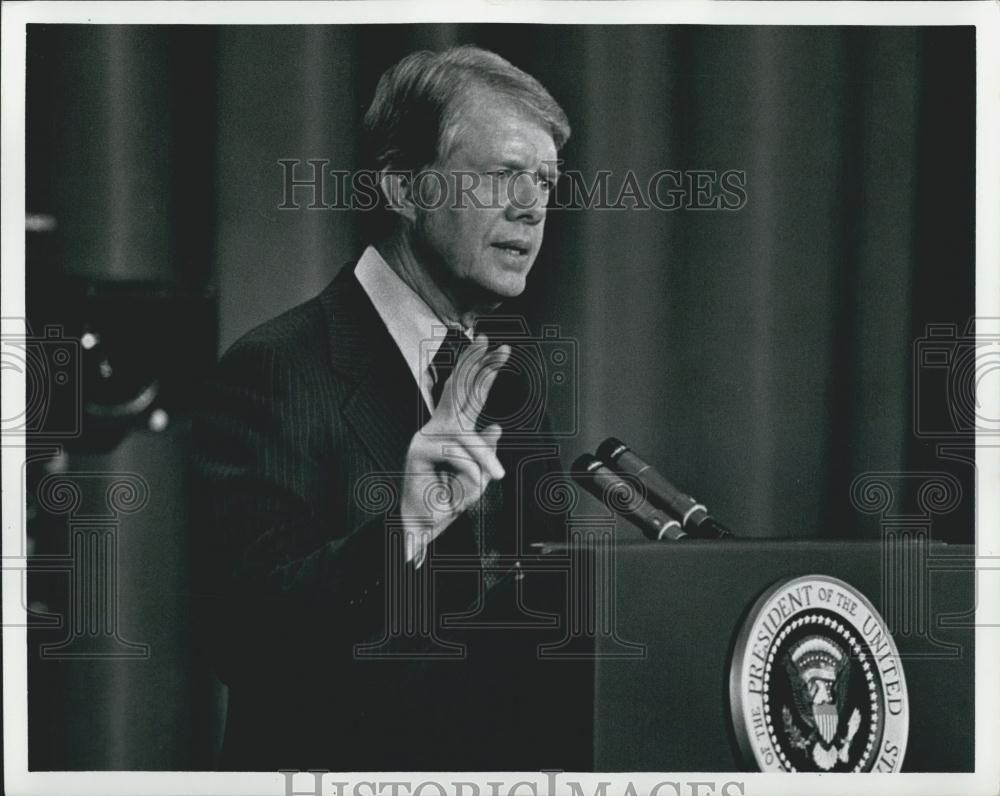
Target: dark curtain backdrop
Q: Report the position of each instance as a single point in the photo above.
(763, 358)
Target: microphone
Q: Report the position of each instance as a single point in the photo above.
(622, 497)
(692, 515)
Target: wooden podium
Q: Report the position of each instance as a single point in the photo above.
(653, 629)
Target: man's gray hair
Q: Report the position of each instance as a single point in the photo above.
(415, 114)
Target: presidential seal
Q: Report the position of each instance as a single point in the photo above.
(816, 682)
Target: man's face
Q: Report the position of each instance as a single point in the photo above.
(481, 239)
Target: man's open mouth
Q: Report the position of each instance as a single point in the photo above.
(516, 248)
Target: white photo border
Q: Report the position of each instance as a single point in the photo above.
(985, 16)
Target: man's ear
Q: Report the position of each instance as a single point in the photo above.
(397, 188)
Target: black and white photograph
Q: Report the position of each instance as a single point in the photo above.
(501, 398)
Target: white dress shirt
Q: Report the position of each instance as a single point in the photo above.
(418, 332)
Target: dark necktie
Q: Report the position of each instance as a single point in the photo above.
(484, 513)
(445, 360)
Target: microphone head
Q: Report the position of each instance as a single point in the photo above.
(584, 463)
(611, 449)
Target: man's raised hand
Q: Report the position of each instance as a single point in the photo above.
(449, 463)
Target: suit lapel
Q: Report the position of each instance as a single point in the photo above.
(383, 405)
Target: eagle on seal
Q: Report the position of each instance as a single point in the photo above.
(819, 670)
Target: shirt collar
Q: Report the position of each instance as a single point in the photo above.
(411, 323)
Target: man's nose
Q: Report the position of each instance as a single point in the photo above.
(525, 200)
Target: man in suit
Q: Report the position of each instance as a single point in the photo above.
(349, 446)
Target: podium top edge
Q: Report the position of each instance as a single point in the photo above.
(770, 542)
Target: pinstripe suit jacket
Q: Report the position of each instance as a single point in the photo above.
(301, 411)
